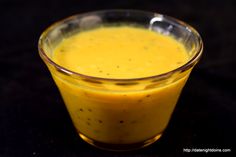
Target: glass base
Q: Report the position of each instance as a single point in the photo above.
(119, 147)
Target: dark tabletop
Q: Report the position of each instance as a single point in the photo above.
(34, 120)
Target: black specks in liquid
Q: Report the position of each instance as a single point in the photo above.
(145, 48)
(62, 50)
(99, 121)
(121, 121)
(179, 49)
(179, 63)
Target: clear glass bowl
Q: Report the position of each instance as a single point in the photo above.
(120, 114)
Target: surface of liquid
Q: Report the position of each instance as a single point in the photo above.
(120, 52)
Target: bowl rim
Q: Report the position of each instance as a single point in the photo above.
(170, 19)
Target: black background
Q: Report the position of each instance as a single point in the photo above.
(33, 118)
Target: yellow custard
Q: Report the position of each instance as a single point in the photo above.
(108, 114)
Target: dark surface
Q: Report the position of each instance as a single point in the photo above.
(33, 118)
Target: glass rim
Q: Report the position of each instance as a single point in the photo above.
(191, 62)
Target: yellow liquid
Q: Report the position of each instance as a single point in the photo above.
(110, 113)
